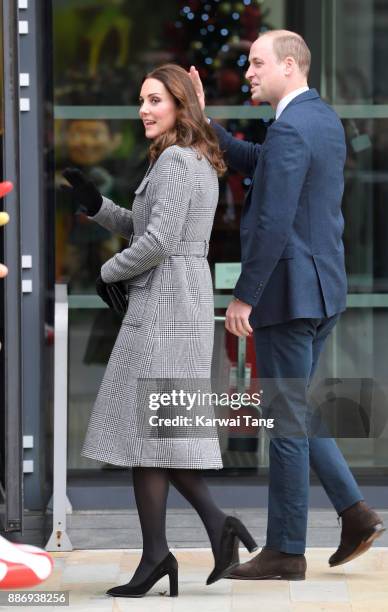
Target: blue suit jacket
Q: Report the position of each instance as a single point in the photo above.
(292, 252)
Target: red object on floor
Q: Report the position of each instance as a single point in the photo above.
(5, 188)
(22, 565)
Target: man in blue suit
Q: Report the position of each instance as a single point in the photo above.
(290, 293)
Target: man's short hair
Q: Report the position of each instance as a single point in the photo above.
(291, 44)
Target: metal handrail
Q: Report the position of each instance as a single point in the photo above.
(59, 540)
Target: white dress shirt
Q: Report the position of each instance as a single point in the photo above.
(287, 99)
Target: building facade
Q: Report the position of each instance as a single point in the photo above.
(70, 79)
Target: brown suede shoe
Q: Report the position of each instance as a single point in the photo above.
(271, 565)
(360, 527)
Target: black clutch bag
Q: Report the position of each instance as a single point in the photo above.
(118, 297)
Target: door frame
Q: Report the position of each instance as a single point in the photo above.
(11, 353)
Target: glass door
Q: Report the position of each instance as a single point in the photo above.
(354, 82)
(101, 54)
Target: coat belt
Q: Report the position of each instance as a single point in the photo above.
(184, 247)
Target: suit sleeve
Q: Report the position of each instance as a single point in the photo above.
(239, 154)
(116, 219)
(173, 183)
(286, 163)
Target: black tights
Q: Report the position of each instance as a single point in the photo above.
(151, 489)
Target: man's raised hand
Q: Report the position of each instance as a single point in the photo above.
(196, 80)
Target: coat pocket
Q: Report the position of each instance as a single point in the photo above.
(138, 293)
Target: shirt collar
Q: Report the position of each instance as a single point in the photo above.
(287, 99)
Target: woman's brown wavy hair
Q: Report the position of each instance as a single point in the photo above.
(191, 128)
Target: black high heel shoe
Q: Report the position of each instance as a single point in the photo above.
(169, 566)
(227, 559)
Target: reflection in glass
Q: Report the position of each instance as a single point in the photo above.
(103, 50)
(113, 156)
(357, 48)
(364, 205)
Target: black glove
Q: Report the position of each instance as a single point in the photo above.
(113, 294)
(84, 194)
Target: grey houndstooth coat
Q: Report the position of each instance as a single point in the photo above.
(167, 331)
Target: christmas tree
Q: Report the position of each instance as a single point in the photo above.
(215, 36)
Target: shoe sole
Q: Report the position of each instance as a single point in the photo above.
(364, 545)
(223, 574)
(127, 596)
(138, 596)
(288, 577)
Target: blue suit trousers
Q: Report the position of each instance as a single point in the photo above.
(286, 353)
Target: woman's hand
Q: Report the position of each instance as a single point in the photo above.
(196, 80)
(84, 194)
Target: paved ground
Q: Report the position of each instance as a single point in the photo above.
(358, 586)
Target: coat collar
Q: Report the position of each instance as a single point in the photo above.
(311, 94)
(284, 102)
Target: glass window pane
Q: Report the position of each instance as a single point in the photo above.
(102, 52)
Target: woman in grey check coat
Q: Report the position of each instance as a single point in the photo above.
(167, 331)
